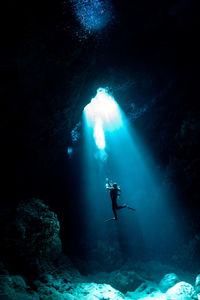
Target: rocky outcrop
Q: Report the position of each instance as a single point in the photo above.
(125, 281)
(56, 288)
(197, 284)
(168, 281)
(180, 291)
(66, 283)
(147, 290)
(15, 287)
(121, 280)
(92, 291)
(32, 241)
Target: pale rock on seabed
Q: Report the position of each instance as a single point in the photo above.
(71, 285)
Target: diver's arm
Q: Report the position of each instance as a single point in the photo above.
(108, 184)
(109, 187)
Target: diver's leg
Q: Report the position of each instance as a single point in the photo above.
(114, 212)
(113, 219)
(125, 206)
(121, 206)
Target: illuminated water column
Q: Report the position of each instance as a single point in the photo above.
(101, 116)
(113, 149)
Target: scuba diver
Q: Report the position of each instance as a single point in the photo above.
(114, 195)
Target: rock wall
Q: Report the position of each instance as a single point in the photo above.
(30, 240)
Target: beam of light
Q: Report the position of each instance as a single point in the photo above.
(103, 115)
(93, 15)
(123, 158)
(99, 134)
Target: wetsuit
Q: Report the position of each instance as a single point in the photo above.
(114, 193)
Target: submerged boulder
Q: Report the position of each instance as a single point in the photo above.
(15, 287)
(121, 280)
(32, 241)
(38, 228)
(93, 291)
(197, 284)
(147, 290)
(181, 291)
(125, 281)
(168, 281)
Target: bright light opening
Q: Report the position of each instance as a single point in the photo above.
(102, 114)
(99, 134)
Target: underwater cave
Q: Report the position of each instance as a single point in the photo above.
(100, 158)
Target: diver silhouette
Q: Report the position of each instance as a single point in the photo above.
(115, 192)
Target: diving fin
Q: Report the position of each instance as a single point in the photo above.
(112, 219)
(131, 208)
